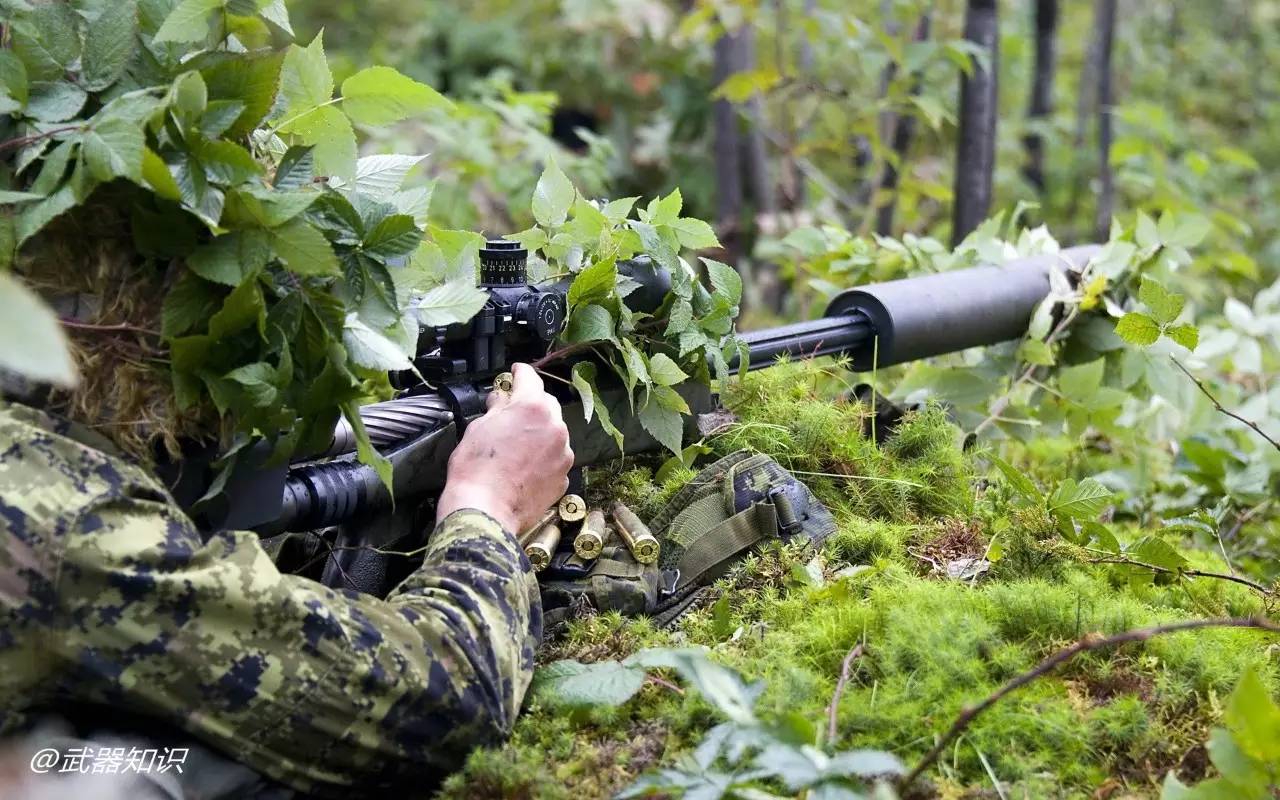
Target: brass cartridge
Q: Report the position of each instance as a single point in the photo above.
(642, 544)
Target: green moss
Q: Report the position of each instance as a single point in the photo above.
(931, 645)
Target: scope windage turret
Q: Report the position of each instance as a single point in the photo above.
(503, 263)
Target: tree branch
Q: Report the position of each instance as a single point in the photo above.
(1193, 573)
(1205, 391)
(1087, 643)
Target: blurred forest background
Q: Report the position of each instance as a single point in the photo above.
(776, 117)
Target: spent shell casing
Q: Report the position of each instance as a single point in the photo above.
(590, 540)
(642, 544)
(572, 508)
(543, 546)
(549, 516)
(504, 383)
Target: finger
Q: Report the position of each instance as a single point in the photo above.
(497, 399)
(526, 383)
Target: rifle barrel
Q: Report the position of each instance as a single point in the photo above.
(812, 338)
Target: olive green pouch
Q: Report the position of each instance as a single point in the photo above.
(727, 510)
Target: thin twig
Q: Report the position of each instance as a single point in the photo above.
(121, 328)
(556, 355)
(1087, 643)
(23, 141)
(654, 679)
(845, 668)
(1205, 391)
(1192, 573)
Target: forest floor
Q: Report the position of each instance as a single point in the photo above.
(1107, 724)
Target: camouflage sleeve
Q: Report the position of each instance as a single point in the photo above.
(313, 686)
(108, 594)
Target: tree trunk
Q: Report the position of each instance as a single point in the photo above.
(727, 150)
(1041, 104)
(975, 157)
(904, 132)
(767, 288)
(1106, 24)
(796, 190)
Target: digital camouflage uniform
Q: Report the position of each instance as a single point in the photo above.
(109, 595)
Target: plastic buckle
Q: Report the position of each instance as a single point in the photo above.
(670, 580)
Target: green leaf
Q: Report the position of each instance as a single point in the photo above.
(740, 86)
(1157, 552)
(1186, 335)
(109, 44)
(189, 302)
(457, 301)
(55, 101)
(157, 175)
(594, 284)
(37, 215)
(1233, 763)
(723, 688)
(617, 210)
(243, 308)
(258, 380)
(664, 425)
(575, 685)
(46, 40)
(329, 131)
(1165, 305)
(552, 197)
(227, 163)
(381, 177)
(369, 348)
(667, 210)
(394, 235)
(188, 22)
(32, 343)
(1036, 351)
(296, 169)
(305, 80)
(1081, 500)
(1138, 329)
(590, 324)
(725, 280)
(695, 234)
(1254, 719)
(364, 448)
(248, 79)
(1018, 480)
(583, 377)
(14, 86)
(231, 258)
(381, 95)
(114, 149)
(8, 198)
(1081, 383)
(1100, 536)
(664, 371)
(303, 249)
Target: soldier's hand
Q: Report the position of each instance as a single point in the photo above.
(513, 463)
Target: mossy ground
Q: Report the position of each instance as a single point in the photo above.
(1108, 724)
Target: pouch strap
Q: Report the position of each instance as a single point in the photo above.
(715, 549)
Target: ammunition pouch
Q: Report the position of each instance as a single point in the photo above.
(726, 511)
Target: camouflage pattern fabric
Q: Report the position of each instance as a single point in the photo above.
(109, 595)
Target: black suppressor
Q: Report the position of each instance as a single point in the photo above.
(904, 320)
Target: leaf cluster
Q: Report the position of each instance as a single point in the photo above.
(744, 757)
(651, 351)
(297, 273)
